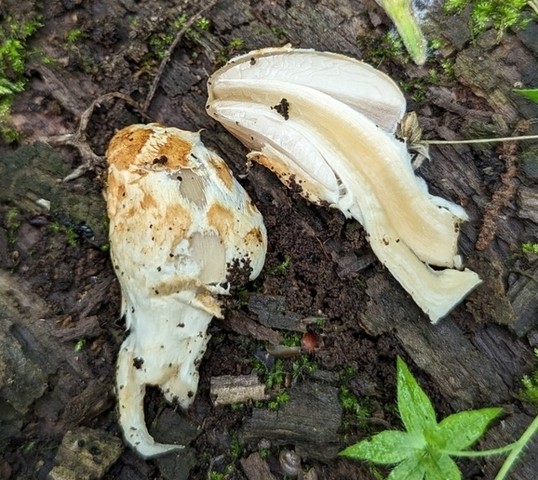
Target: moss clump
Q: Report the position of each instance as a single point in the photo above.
(499, 14)
(14, 53)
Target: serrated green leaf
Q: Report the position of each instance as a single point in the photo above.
(440, 467)
(460, 430)
(530, 93)
(416, 410)
(386, 448)
(410, 469)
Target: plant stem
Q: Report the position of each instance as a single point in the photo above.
(517, 449)
(401, 13)
(479, 140)
(481, 453)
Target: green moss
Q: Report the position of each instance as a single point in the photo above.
(14, 53)
(13, 223)
(530, 247)
(499, 14)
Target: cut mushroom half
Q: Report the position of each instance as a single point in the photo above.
(350, 81)
(338, 154)
(182, 230)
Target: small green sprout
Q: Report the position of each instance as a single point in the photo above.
(236, 43)
(402, 15)
(529, 392)
(73, 36)
(426, 448)
(282, 268)
(179, 23)
(282, 397)
(203, 23)
(79, 346)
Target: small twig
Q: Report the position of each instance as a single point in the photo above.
(524, 274)
(78, 139)
(479, 140)
(169, 52)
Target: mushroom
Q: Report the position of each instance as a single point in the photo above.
(347, 156)
(182, 231)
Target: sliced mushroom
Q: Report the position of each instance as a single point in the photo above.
(181, 230)
(350, 81)
(339, 155)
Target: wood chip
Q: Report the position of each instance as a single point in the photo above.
(229, 389)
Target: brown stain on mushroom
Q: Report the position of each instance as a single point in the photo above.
(254, 236)
(126, 145)
(175, 150)
(148, 201)
(221, 219)
(115, 192)
(222, 171)
(178, 219)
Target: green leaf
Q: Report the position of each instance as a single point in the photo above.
(415, 408)
(461, 430)
(441, 467)
(388, 447)
(410, 469)
(530, 93)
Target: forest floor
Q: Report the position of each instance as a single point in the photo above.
(60, 325)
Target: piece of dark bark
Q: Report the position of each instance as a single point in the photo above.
(309, 421)
(94, 400)
(244, 325)
(271, 311)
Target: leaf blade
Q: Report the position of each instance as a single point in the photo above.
(416, 409)
(385, 448)
(530, 93)
(410, 469)
(441, 467)
(460, 430)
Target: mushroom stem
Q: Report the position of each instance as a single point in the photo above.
(131, 390)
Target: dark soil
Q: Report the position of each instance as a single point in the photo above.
(60, 300)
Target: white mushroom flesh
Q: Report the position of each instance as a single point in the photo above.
(350, 81)
(338, 155)
(180, 225)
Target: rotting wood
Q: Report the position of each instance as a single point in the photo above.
(229, 389)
